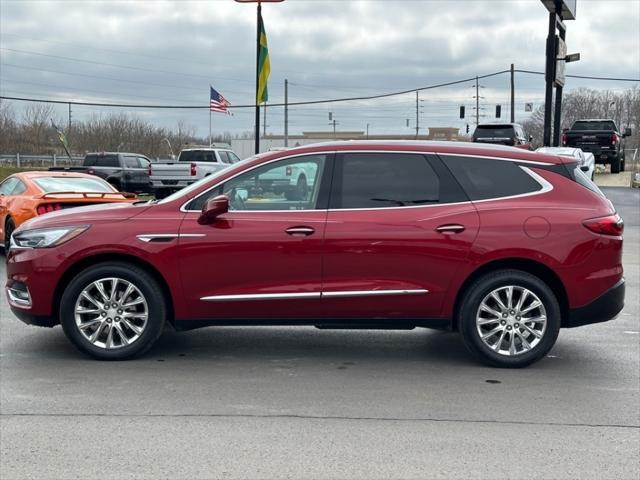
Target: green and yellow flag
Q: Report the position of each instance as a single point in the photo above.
(264, 66)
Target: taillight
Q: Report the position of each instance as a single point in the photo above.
(609, 225)
(565, 139)
(289, 171)
(48, 207)
(193, 169)
(614, 138)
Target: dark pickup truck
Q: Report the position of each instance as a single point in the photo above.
(128, 172)
(600, 137)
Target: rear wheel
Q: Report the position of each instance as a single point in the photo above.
(113, 311)
(9, 227)
(509, 318)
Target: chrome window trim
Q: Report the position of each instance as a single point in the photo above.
(546, 186)
(316, 295)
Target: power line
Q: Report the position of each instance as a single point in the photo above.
(585, 77)
(310, 102)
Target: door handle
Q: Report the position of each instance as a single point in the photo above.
(300, 231)
(450, 229)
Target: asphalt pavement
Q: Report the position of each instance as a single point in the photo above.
(304, 403)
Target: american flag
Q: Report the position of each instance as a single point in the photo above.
(217, 103)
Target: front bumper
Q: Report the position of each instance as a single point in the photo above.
(604, 308)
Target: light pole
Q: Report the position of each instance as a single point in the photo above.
(258, 17)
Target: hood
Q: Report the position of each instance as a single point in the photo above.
(108, 212)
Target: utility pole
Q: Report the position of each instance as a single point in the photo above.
(550, 71)
(477, 102)
(286, 112)
(69, 126)
(334, 128)
(557, 116)
(367, 131)
(513, 94)
(417, 113)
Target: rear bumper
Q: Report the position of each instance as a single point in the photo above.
(604, 308)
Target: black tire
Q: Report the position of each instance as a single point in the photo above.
(148, 287)
(9, 227)
(470, 305)
(615, 165)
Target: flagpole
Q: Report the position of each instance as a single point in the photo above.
(257, 129)
(209, 126)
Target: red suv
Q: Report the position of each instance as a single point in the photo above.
(503, 245)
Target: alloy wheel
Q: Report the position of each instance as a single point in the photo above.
(511, 320)
(111, 313)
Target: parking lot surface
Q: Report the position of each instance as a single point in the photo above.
(303, 403)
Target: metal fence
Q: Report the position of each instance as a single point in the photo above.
(18, 160)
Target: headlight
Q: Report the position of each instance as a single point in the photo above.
(45, 237)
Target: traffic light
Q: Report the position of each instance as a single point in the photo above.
(498, 111)
(461, 111)
(467, 128)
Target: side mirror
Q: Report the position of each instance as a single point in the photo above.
(212, 208)
(627, 132)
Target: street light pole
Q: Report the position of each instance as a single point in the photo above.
(257, 131)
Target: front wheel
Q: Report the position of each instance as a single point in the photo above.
(9, 227)
(113, 311)
(509, 318)
(615, 165)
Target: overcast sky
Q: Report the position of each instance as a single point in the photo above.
(168, 52)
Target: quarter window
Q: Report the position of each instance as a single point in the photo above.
(6, 187)
(484, 178)
(382, 180)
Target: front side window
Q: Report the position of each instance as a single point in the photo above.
(233, 157)
(131, 162)
(224, 156)
(291, 184)
(144, 162)
(382, 180)
(484, 178)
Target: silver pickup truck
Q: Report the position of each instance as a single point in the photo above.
(168, 176)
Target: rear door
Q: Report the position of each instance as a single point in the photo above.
(398, 229)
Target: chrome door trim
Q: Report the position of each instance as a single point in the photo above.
(373, 293)
(304, 295)
(260, 296)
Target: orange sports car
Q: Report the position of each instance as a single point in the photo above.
(28, 194)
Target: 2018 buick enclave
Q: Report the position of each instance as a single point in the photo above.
(503, 245)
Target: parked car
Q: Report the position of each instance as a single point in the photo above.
(586, 161)
(600, 137)
(127, 172)
(192, 164)
(502, 134)
(502, 245)
(29, 194)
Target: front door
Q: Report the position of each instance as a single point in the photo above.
(398, 228)
(262, 259)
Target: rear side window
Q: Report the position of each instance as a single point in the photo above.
(382, 180)
(484, 178)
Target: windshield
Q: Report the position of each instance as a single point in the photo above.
(203, 181)
(607, 125)
(72, 184)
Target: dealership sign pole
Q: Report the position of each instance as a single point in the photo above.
(559, 10)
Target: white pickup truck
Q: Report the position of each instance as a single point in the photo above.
(168, 176)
